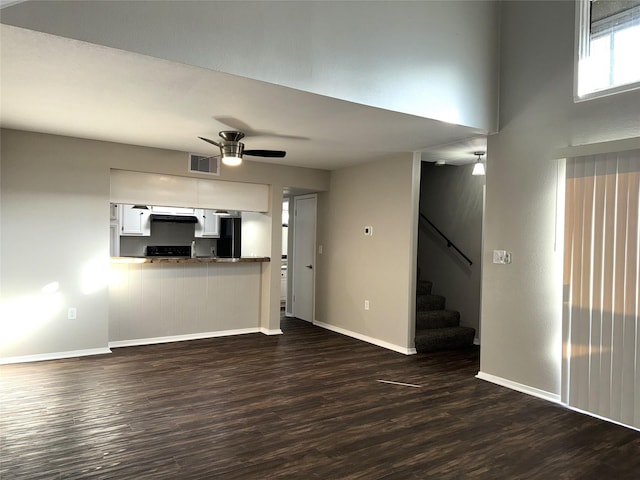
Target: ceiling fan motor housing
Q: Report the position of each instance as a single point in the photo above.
(231, 135)
(231, 148)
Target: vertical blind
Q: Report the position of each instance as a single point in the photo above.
(601, 282)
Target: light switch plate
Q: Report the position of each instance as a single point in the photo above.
(501, 257)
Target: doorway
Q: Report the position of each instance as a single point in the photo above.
(452, 204)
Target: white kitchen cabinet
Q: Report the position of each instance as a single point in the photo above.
(134, 221)
(208, 225)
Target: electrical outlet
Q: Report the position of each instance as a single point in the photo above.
(72, 313)
(366, 304)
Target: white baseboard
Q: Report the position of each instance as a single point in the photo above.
(365, 338)
(600, 417)
(54, 356)
(519, 387)
(266, 331)
(181, 338)
(551, 397)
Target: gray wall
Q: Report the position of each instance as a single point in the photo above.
(452, 199)
(54, 218)
(379, 268)
(434, 59)
(521, 302)
(55, 229)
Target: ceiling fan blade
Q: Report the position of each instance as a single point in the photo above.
(210, 141)
(266, 153)
(235, 124)
(241, 126)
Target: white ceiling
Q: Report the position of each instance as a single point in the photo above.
(57, 85)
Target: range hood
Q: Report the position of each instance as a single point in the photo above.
(173, 215)
(161, 217)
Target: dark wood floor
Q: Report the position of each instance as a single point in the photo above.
(303, 405)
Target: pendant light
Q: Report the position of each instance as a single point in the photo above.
(478, 168)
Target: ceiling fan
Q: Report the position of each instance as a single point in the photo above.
(232, 149)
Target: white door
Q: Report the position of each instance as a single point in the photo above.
(304, 246)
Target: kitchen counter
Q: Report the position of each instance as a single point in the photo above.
(157, 299)
(188, 260)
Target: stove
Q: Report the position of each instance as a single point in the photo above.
(168, 250)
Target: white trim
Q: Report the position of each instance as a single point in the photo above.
(605, 92)
(412, 251)
(519, 387)
(275, 331)
(580, 42)
(600, 417)
(181, 338)
(598, 148)
(551, 397)
(54, 356)
(365, 338)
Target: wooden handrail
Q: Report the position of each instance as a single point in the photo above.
(449, 242)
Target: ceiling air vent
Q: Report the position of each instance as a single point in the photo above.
(202, 164)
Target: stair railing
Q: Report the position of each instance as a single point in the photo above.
(450, 244)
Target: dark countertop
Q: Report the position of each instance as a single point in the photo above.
(188, 259)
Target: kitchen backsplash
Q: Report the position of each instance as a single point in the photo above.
(166, 234)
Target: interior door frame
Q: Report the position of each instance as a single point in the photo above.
(291, 261)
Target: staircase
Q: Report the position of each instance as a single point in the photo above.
(437, 328)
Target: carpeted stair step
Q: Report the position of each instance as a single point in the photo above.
(426, 302)
(424, 287)
(437, 319)
(449, 338)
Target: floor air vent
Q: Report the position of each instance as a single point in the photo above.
(202, 164)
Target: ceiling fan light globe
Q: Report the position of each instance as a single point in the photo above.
(231, 161)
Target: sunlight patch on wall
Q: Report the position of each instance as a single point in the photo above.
(95, 275)
(20, 317)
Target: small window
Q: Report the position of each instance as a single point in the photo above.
(608, 47)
